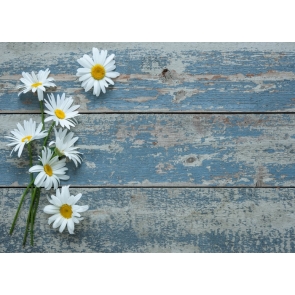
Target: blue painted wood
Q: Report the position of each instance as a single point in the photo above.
(163, 220)
(172, 150)
(219, 80)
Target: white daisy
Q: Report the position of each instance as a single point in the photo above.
(64, 145)
(65, 210)
(51, 170)
(97, 72)
(61, 111)
(26, 134)
(33, 82)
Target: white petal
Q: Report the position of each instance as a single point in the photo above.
(47, 184)
(112, 74)
(53, 217)
(55, 182)
(51, 209)
(82, 208)
(89, 60)
(40, 94)
(103, 56)
(26, 82)
(35, 79)
(71, 226)
(77, 198)
(20, 150)
(28, 77)
(85, 77)
(82, 71)
(71, 200)
(84, 63)
(96, 88)
(101, 84)
(57, 222)
(89, 85)
(110, 68)
(96, 55)
(56, 201)
(112, 56)
(109, 80)
(63, 225)
(110, 64)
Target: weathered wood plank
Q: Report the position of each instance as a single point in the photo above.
(163, 220)
(172, 150)
(200, 77)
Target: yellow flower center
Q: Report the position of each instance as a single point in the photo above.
(59, 114)
(26, 138)
(98, 72)
(66, 211)
(36, 84)
(48, 170)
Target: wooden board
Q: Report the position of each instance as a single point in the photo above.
(163, 220)
(203, 78)
(172, 150)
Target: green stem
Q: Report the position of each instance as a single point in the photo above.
(31, 174)
(31, 164)
(19, 206)
(29, 216)
(33, 214)
(42, 114)
(31, 157)
(49, 131)
(37, 202)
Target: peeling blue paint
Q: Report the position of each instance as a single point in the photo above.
(137, 155)
(151, 220)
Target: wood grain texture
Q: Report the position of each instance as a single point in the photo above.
(172, 150)
(163, 220)
(227, 78)
(192, 149)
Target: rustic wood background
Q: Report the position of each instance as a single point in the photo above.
(192, 149)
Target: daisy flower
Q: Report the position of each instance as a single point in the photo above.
(64, 145)
(51, 170)
(33, 82)
(24, 135)
(97, 72)
(65, 210)
(61, 111)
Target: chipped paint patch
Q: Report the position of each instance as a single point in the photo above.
(90, 165)
(105, 147)
(164, 168)
(263, 87)
(141, 99)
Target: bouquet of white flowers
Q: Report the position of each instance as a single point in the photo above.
(52, 162)
(51, 168)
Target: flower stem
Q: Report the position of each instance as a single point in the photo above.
(33, 214)
(36, 203)
(29, 216)
(19, 206)
(31, 174)
(42, 114)
(31, 160)
(49, 131)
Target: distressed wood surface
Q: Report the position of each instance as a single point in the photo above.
(164, 220)
(158, 174)
(173, 150)
(167, 77)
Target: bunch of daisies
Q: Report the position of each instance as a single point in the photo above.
(97, 72)
(51, 167)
